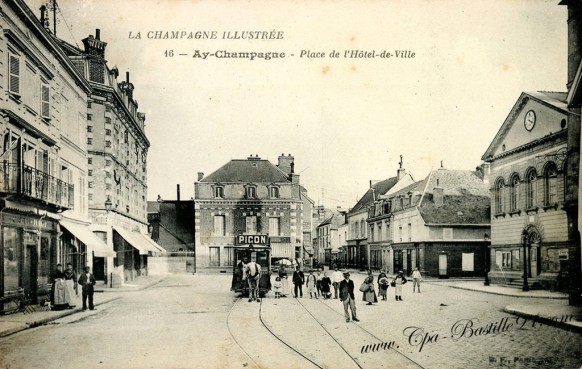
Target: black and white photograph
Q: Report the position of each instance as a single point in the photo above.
(297, 184)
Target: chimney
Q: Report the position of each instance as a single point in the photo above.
(574, 37)
(178, 193)
(44, 18)
(442, 165)
(401, 171)
(486, 169)
(286, 163)
(200, 176)
(438, 195)
(294, 178)
(97, 34)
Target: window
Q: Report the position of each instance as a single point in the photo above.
(219, 192)
(108, 132)
(107, 143)
(499, 196)
(530, 193)
(89, 141)
(251, 226)
(400, 233)
(229, 256)
(89, 117)
(45, 101)
(90, 160)
(401, 202)
(107, 120)
(380, 231)
(89, 104)
(514, 193)
(251, 192)
(108, 186)
(90, 172)
(363, 228)
(90, 184)
(219, 225)
(409, 232)
(506, 260)
(89, 128)
(274, 192)
(447, 233)
(371, 233)
(550, 179)
(107, 162)
(214, 256)
(13, 74)
(274, 226)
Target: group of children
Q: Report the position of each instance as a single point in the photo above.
(317, 285)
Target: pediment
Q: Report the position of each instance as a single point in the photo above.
(534, 116)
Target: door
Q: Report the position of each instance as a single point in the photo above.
(443, 266)
(99, 268)
(30, 272)
(408, 262)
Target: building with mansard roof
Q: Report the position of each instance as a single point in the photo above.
(249, 197)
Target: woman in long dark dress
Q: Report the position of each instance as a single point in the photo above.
(325, 286)
(370, 294)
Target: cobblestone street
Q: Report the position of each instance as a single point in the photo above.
(187, 322)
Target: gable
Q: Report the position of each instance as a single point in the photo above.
(551, 116)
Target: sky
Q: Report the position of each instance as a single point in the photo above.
(346, 121)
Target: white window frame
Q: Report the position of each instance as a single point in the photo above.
(219, 225)
(274, 226)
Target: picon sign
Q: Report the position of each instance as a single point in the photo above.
(248, 239)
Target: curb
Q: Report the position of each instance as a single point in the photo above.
(509, 294)
(545, 321)
(140, 288)
(52, 318)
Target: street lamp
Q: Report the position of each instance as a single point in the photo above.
(487, 259)
(524, 236)
(108, 204)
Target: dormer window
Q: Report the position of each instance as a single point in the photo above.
(251, 192)
(219, 192)
(274, 192)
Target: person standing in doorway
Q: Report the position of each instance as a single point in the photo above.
(87, 282)
(298, 280)
(346, 288)
(416, 278)
(70, 286)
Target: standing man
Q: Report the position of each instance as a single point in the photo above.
(416, 278)
(346, 288)
(253, 273)
(336, 278)
(298, 280)
(87, 281)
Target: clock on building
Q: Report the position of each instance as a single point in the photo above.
(530, 120)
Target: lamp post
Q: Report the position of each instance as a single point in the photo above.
(487, 259)
(524, 236)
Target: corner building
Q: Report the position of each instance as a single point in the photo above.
(248, 197)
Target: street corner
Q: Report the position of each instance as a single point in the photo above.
(553, 314)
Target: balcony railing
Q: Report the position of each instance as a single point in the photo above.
(30, 182)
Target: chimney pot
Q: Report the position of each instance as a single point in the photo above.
(178, 192)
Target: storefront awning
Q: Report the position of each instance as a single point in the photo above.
(84, 234)
(138, 241)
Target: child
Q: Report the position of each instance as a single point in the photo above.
(277, 286)
(383, 284)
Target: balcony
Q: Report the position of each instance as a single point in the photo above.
(31, 183)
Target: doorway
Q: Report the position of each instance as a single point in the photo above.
(99, 268)
(30, 272)
(443, 261)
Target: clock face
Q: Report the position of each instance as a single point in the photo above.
(529, 120)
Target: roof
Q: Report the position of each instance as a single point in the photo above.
(466, 198)
(335, 220)
(380, 188)
(153, 207)
(248, 170)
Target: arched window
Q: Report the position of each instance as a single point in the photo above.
(499, 185)
(550, 182)
(530, 188)
(514, 193)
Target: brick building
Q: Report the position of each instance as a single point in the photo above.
(250, 196)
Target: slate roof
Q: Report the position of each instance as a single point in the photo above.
(252, 170)
(466, 198)
(380, 188)
(336, 219)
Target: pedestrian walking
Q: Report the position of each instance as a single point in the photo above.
(311, 284)
(416, 278)
(277, 287)
(397, 282)
(298, 280)
(326, 286)
(253, 273)
(346, 288)
(70, 286)
(383, 284)
(370, 294)
(336, 278)
(87, 282)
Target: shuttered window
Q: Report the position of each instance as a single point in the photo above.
(45, 101)
(13, 74)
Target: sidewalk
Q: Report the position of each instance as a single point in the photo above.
(16, 322)
(552, 307)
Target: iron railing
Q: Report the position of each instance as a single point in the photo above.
(25, 180)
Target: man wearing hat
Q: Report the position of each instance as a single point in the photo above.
(346, 288)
